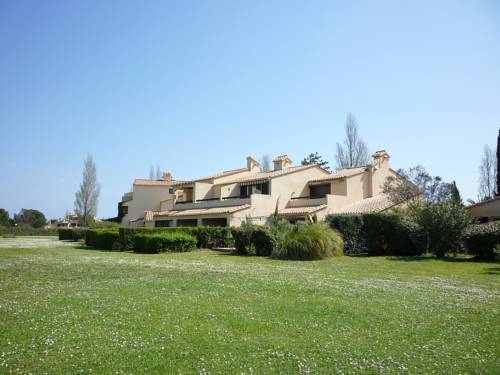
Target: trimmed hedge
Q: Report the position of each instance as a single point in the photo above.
(103, 238)
(65, 234)
(481, 240)
(206, 237)
(379, 234)
(160, 242)
(252, 240)
(27, 231)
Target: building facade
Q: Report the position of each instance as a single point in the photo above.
(232, 197)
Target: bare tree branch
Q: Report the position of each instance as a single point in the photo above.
(354, 152)
(487, 174)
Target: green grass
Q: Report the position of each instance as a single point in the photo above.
(64, 309)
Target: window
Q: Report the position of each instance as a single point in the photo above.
(163, 223)
(215, 222)
(319, 191)
(248, 190)
(187, 223)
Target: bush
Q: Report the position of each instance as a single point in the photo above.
(442, 225)
(25, 230)
(391, 234)
(65, 234)
(482, 240)
(206, 237)
(310, 242)
(78, 234)
(350, 227)
(102, 238)
(156, 243)
(252, 239)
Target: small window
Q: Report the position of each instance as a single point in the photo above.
(163, 223)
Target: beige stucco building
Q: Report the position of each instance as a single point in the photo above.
(235, 196)
(487, 210)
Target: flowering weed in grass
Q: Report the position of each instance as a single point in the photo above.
(64, 309)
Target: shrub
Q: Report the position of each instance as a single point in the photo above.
(482, 240)
(350, 227)
(25, 230)
(207, 237)
(443, 225)
(252, 239)
(156, 243)
(78, 234)
(310, 242)
(390, 233)
(102, 238)
(65, 234)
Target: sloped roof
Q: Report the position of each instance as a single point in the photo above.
(202, 211)
(487, 201)
(212, 176)
(295, 211)
(145, 182)
(377, 203)
(262, 176)
(348, 172)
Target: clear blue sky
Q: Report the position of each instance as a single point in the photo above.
(195, 87)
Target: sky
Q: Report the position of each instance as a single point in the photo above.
(196, 86)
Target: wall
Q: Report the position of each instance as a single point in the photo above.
(145, 198)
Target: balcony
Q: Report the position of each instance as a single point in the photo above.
(306, 201)
(127, 197)
(212, 202)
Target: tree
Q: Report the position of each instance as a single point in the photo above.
(158, 172)
(316, 159)
(151, 172)
(354, 152)
(265, 163)
(455, 194)
(87, 197)
(487, 174)
(498, 164)
(33, 218)
(412, 185)
(4, 218)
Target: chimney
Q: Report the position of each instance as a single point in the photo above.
(380, 158)
(167, 176)
(253, 165)
(282, 162)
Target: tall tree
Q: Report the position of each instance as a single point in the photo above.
(4, 218)
(455, 194)
(265, 163)
(87, 197)
(498, 164)
(158, 174)
(33, 218)
(354, 152)
(316, 159)
(151, 172)
(487, 174)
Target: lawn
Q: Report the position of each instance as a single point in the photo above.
(65, 309)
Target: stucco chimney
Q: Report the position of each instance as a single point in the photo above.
(167, 176)
(282, 162)
(252, 164)
(380, 158)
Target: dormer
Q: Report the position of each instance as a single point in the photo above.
(253, 165)
(282, 162)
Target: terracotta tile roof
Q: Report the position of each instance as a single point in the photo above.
(262, 176)
(202, 211)
(483, 202)
(295, 211)
(212, 176)
(144, 182)
(348, 172)
(377, 203)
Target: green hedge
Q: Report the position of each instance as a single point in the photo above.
(27, 231)
(103, 238)
(160, 242)
(379, 234)
(481, 240)
(252, 240)
(65, 234)
(206, 237)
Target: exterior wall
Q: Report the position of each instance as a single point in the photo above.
(145, 198)
(379, 171)
(230, 190)
(489, 209)
(293, 185)
(201, 190)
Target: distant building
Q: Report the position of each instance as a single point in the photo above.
(488, 210)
